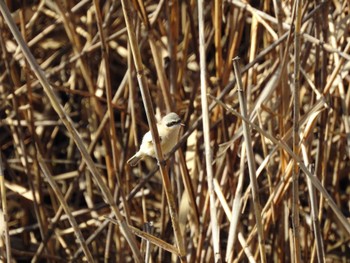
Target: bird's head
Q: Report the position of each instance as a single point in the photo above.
(172, 120)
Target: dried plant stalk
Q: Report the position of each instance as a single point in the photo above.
(69, 125)
(184, 52)
(296, 140)
(153, 128)
(4, 214)
(251, 162)
(206, 129)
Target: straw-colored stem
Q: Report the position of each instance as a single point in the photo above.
(283, 90)
(218, 46)
(296, 114)
(105, 56)
(314, 210)
(70, 190)
(172, 9)
(297, 159)
(247, 250)
(4, 213)
(163, 82)
(236, 208)
(75, 43)
(206, 129)
(66, 208)
(69, 125)
(251, 162)
(147, 102)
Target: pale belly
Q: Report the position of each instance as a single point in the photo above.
(167, 143)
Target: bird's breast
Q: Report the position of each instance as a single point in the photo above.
(169, 140)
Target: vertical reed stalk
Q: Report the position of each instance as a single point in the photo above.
(87, 56)
(70, 127)
(206, 129)
(296, 113)
(251, 162)
(66, 208)
(314, 210)
(236, 208)
(4, 213)
(105, 58)
(147, 102)
(218, 46)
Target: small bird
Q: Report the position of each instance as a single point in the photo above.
(168, 130)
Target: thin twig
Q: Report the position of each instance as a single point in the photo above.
(69, 125)
(251, 162)
(296, 114)
(314, 211)
(313, 179)
(4, 213)
(147, 102)
(206, 129)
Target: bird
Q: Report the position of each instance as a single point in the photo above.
(168, 130)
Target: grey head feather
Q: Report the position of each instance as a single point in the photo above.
(171, 119)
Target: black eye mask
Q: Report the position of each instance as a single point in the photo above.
(173, 123)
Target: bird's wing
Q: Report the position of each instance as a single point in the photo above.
(148, 137)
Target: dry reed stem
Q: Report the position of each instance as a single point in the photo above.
(206, 130)
(314, 180)
(72, 220)
(314, 211)
(251, 161)
(147, 102)
(4, 214)
(70, 127)
(84, 51)
(296, 108)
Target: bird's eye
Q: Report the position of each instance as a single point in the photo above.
(173, 123)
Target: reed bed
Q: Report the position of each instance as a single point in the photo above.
(261, 169)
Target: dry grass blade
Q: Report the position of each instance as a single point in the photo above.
(150, 238)
(4, 229)
(206, 130)
(251, 161)
(314, 211)
(69, 125)
(296, 130)
(71, 218)
(147, 102)
(313, 179)
(102, 72)
(236, 208)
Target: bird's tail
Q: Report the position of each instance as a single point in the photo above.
(134, 160)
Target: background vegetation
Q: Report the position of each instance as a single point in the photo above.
(65, 139)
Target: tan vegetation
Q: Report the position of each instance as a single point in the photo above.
(261, 170)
